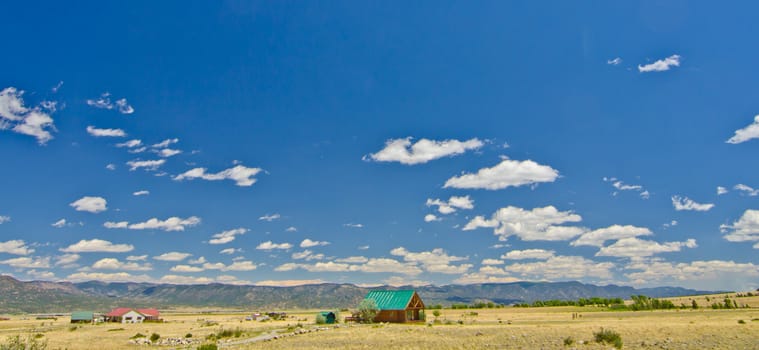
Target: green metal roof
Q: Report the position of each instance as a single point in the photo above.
(391, 299)
(82, 316)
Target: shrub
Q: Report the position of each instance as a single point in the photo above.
(19, 343)
(208, 347)
(188, 335)
(568, 341)
(138, 335)
(368, 310)
(741, 322)
(154, 337)
(608, 336)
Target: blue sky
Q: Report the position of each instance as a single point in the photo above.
(288, 142)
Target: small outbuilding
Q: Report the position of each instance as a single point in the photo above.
(83, 317)
(397, 306)
(325, 317)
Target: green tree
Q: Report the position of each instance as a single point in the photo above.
(368, 310)
(694, 304)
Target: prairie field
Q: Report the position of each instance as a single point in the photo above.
(505, 328)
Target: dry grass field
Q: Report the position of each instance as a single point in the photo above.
(507, 328)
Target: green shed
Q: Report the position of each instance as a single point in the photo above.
(397, 305)
(82, 317)
(325, 317)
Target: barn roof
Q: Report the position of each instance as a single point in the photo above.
(119, 311)
(391, 299)
(149, 312)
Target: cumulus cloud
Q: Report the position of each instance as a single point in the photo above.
(747, 190)
(104, 102)
(563, 268)
(307, 255)
(614, 232)
(685, 203)
(165, 143)
(240, 174)
(538, 224)
(478, 278)
(307, 243)
(26, 262)
(115, 264)
(374, 265)
(147, 164)
(137, 257)
(168, 152)
(172, 256)
(269, 217)
(492, 262)
(287, 283)
(431, 217)
(661, 65)
(620, 185)
(450, 206)
(171, 224)
(269, 245)
(227, 236)
(539, 254)
(423, 151)
(748, 133)
(97, 246)
(67, 260)
(4, 219)
(436, 260)
(107, 277)
(721, 190)
(90, 204)
(507, 173)
(746, 229)
(60, 223)
(105, 132)
(130, 144)
(15, 247)
(656, 270)
(141, 193)
(242, 265)
(24, 120)
(230, 251)
(291, 229)
(353, 260)
(634, 247)
(186, 268)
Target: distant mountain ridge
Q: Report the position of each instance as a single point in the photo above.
(47, 297)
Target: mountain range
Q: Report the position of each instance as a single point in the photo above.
(53, 297)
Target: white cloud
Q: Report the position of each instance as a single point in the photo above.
(563, 268)
(710, 271)
(291, 229)
(747, 190)
(615, 61)
(242, 175)
(130, 144)
(746, 229)
(269, 245)
(115, 264)
(28, 262)
(685, 203)
(90, 204)
(352, 225)
(171, 224)
(307, 255)
(227, 236)
(41, 275)
(186, 268)
(97, 245)
(165, 143)
(4, 219)
(57, 87)
(538, 224)
(634, 247)
(67, 259)
(505, 174)
(307, 243)
(661, 65)
(107, 277)
(270, 218)
(363, 247)
(241, 266)
(137, 257)
(353, 260)
(147, 164)
(492, 262)
(200, 260)
(23, 120)
(436, 260)
(721, 190)
(748, 133)
(60, 223)
(431, 217)
(230, 251)
(619, 185)
(172, 256)
(374, 265)
(423, 151)
(111, 166)
(614, 232)
(398, 281)
(539, 254)
(15, 247)
(168, 152)
(287, 283)
(105, 132)
(104, 102)
(450, 206)
(645, 195)
(478, 278)
(141, 193)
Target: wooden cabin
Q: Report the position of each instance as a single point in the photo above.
(397, 306)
